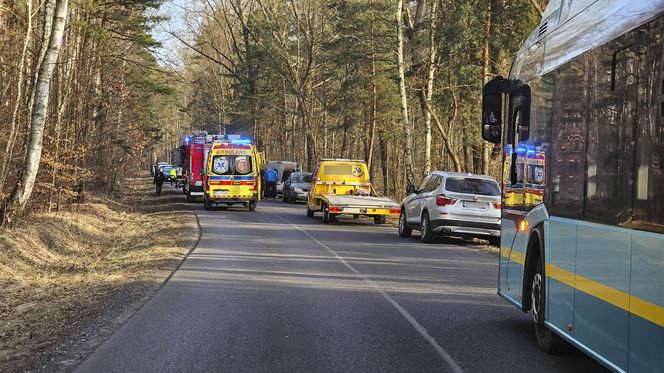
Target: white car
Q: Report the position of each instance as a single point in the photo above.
(453, 204)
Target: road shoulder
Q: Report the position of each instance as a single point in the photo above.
(70, 279)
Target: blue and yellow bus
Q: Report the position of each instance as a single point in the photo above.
(580, 120)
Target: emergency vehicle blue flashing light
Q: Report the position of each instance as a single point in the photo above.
(241, 141)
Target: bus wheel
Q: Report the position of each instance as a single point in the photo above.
(252, 206)
(380, 219)
(189, 199)
(547, 340)
(310, 212)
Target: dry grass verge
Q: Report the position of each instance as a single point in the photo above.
(60, 271)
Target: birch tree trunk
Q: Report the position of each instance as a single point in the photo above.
(408, 141)
(485, 78)
(23, 191)
(428, 94)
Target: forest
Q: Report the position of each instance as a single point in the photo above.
(85, 100)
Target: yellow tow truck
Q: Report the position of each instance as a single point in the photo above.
(342, 187)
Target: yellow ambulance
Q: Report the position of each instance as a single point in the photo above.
(232, 174)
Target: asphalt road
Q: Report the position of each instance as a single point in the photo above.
(275, 291)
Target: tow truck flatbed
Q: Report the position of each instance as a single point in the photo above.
(342, 187)
(348, 201)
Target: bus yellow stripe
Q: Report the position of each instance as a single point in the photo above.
(620, 299)
(635, 305)
(512, 255)
(647, 310)
(560, 274)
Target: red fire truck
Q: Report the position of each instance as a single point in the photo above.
(196, 148)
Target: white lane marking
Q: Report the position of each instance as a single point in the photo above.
(411, 320)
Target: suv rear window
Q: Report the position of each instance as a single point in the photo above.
(472, 186)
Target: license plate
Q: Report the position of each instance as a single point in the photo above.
(474, 205)
(220, 192)
(351, 210)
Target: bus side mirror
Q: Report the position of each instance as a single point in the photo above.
(492, 110)
(520, 112)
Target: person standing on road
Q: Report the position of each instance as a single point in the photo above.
(173, 175)
(271, 183)
(159, 181)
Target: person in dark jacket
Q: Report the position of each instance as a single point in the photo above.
(159, 178)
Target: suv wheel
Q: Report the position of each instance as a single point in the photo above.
(426, 235)
(404, 230)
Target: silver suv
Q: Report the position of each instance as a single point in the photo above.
(452, 204)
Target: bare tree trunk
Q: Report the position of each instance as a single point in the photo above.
(11, 136)
(284, 117)
(485, 78)
(467, 148)
(427, 95)
(408, 148)
(23, 191)
(374, 93)
(384, 160)
(537, 7)
(448, 147)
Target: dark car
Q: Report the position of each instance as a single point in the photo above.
(296, 187)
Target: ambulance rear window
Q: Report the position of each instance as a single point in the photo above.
(231, 164)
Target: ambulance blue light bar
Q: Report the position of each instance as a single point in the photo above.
(240, 141)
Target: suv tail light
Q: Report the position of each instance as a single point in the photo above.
(496, 205)
(441, 200)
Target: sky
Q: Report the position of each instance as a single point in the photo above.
(177, 11)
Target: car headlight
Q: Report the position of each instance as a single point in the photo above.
(298, 190)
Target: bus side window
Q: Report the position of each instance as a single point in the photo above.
(566, 183)
(649, 170)
(611, 119)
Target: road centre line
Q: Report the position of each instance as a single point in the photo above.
(411, 320)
